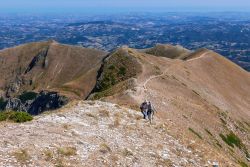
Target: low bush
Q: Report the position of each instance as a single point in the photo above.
(3, 116)
(18, 117)
(122, 71)
(232, 140)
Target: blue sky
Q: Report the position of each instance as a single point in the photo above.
(125, 5)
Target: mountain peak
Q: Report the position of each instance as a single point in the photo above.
(201, 98)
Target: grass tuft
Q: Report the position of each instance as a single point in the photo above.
(48, 155)
(22, 156)
(104, 148)
(67, 151)
(232, 140)
(126, 152)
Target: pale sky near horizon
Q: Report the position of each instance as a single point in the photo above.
(97, 5)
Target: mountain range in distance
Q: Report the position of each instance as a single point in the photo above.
(225, 33)
(202, 99)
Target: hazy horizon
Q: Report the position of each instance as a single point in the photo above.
(115, 6)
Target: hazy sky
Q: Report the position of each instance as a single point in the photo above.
(126, 5)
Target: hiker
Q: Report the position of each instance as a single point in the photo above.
(144, 109)
(150, 111)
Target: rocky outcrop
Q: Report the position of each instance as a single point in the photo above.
(40, 59)
(47, 101)
(15, 104)
(14, 86)
(43, 102)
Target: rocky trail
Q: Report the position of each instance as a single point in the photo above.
(92, 134)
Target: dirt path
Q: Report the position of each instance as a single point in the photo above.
(164, 73)
(201, 56)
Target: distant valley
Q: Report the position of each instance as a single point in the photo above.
(225, 33)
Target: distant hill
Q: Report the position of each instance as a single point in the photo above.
(48, 66)
(168, 51)
(92, 22)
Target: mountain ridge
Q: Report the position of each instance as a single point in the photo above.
(201, 96)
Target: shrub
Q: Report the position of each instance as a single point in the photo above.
(111, 67)
(232, 140)
(122, 71)
(3, 116)
(20, 117)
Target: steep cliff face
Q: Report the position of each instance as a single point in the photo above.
(44, 101)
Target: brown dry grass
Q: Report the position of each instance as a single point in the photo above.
(48, 155)
(104, 148)
(67, 151)
(22, 156)
(126, 152)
